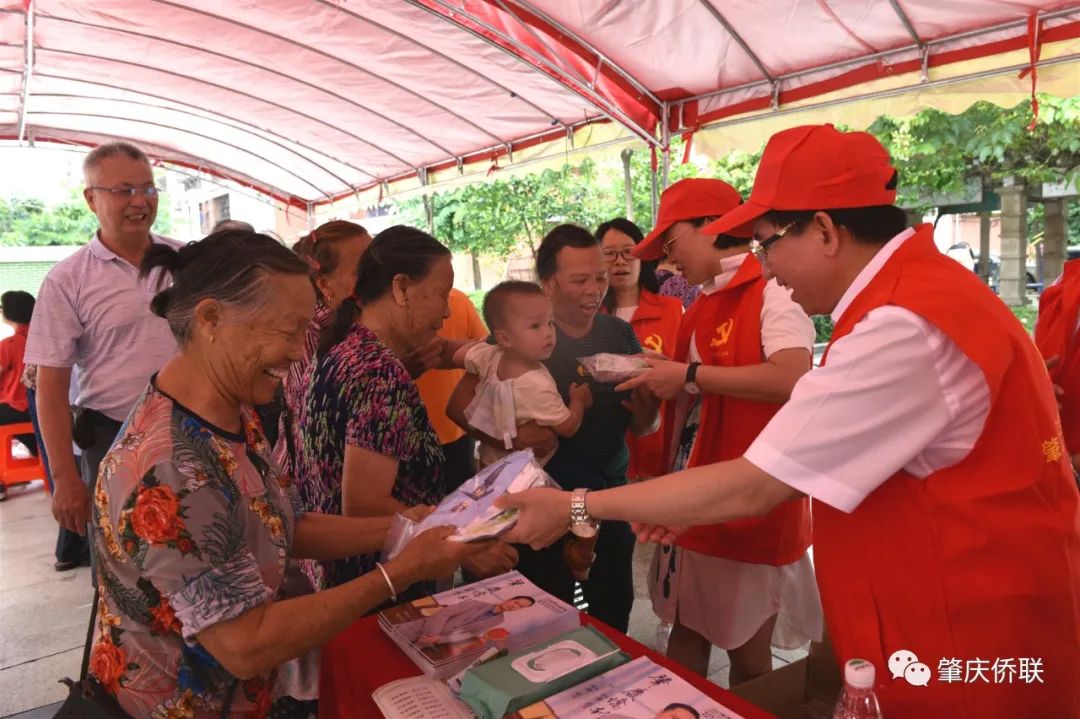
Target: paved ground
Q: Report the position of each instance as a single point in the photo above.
(43, 613)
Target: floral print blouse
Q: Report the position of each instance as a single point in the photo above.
(360, 394)
(192, 527)
(675, 285)
(294, 390)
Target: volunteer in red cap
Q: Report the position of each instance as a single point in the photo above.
(946, 514)
(1057, 335)
(742, 346)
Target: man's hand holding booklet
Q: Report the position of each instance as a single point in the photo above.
(471, 509)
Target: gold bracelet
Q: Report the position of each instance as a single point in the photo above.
(386, 576)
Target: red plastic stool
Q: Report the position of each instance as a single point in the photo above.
(15, 470)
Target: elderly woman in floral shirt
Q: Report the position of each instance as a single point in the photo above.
(195, 524)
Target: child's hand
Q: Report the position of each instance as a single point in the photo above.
(580, 392)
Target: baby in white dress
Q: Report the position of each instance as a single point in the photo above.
(516, 388)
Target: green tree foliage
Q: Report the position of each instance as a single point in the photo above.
(27, 222)
(509, 215)
(938, 153)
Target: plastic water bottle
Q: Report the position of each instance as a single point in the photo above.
(663, 634)
(857, 698)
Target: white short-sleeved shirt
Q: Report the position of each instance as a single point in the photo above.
(784, 324)
(536, 397)
(93, 311)
(896, 393)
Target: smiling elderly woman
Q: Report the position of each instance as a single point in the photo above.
(194, 521)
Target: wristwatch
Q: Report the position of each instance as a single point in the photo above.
(581, 523)
(691, 385)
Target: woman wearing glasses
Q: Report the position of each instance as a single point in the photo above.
(741, 347)
(633, 296)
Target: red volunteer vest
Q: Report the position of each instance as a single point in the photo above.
(726, 327)
(979, 562)
(656, 324)
(1055, 336)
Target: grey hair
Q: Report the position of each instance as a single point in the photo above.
(232, 267)
(112, 149)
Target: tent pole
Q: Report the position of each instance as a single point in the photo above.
(628, 185)
(310, 216)
(29, 69)
(655, 190)
(665, 143)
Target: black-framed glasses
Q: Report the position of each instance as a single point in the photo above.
(612, 255)
(761, 249)
(149, 191)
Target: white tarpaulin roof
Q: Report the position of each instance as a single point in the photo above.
(315, 100)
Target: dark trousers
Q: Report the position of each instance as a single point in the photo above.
(105, 431)
(460, 463)
(10, 415)
(31, 399)
(609, 589)
(69, 545)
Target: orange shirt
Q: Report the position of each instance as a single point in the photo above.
(436, 386)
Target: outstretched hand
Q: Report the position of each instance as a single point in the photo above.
(543, 516)
(664, 378)
(428, 356)
(657, 533)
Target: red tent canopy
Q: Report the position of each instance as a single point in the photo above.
(313, 100)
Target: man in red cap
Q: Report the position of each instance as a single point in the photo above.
(741, 347)
(946, 520)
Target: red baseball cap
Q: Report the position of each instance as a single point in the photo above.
(814, 167)
(687, 199)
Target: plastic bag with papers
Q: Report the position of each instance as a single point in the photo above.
(470, 508)
(605, 367)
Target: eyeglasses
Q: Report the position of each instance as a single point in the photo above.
(626, 255)
(761, 249)
(149, 192)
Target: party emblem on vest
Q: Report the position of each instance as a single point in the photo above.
(723, 333)
(1052, 449)
(654, 342)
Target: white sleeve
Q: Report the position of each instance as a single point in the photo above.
(478, 357)
(882, 403)
(784, 324)
(55, 329)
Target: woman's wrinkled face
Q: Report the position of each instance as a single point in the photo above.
(425, 303)
(249, 352)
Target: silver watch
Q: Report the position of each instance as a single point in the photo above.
(581, 523)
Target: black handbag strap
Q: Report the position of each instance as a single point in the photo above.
(89, 636)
